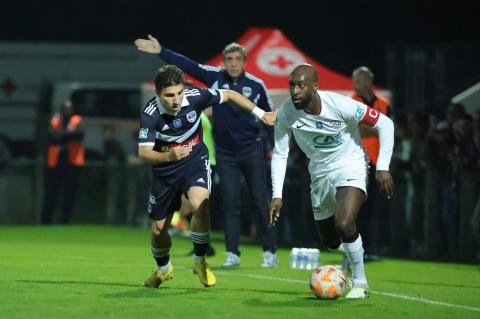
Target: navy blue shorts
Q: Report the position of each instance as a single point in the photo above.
(166, 191)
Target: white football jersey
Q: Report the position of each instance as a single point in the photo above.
(330, 140)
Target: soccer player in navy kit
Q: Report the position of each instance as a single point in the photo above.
(170, 138)
(239, 147)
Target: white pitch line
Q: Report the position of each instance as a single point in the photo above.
(302, 282)
(388, 294)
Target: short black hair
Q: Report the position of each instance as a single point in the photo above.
(168, 75)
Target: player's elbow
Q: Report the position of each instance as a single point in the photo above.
(143, 154)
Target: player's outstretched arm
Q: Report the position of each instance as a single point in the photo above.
(267, 117)
(275, 207)
(150, 45)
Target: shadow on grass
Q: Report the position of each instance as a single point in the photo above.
(78, 282)
(309, 302)
(298, 300)
(185, 291)
(439, 284)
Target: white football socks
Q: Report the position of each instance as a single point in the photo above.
(354, 252)
(164, 268)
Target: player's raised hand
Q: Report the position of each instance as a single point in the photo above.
(269, 118)
(150, 45)
(275, 207)
(385, 181)
(177, 153)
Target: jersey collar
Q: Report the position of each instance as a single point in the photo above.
(161, 108)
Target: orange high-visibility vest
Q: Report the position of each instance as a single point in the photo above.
(371, 143)
(76, 152)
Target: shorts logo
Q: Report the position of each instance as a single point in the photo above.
(152, 199)
(143, 133)
(201, 180)
(177, 123)
(359, 113)
(316, 209)
(319, 124)
(151, 202)
(247, 91)
(191, 116)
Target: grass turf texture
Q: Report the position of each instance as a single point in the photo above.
(96, 272)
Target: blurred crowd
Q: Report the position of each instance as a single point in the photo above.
(437, 170)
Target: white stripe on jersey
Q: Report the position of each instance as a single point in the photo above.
(180, 138)
(146, 144)
(151, 107)
(210, 68)
(192, 92)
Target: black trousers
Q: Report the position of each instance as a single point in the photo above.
(60, 186)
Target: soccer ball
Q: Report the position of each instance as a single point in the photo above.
(327, 282)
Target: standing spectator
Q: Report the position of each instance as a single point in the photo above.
(418, 124)
(375, 212)
(463, 159)
(64, 157)
(115, 159)
(5, 155)
(475, 222)
(5, 158)
(239, 146)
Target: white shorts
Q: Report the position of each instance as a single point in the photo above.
(323, 187)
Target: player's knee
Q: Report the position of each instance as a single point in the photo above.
(200, 204)
(157, 229)
(345, 227)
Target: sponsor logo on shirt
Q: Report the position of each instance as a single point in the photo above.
(190, 143)
(326, 141)
(359, 113)
(143, 133)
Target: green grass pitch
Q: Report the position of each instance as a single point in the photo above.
(96, 272)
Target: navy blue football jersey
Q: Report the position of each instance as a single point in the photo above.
(163, 131)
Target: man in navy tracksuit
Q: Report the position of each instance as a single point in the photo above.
(239, 147)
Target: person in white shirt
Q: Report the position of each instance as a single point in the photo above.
(325, 127)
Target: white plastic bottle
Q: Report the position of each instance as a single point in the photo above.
(294, 254)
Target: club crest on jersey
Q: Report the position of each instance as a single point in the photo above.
(247, 91)
(191, 116)
(226, 86)
(177, 123)
(319, 124)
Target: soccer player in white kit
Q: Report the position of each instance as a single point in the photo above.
(325, 126)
